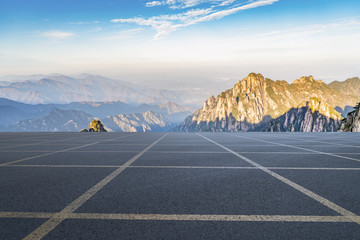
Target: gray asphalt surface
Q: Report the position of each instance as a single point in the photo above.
(179, 186)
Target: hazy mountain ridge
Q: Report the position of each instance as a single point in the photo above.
(11, 111)
(56, 121)
(256, 100)
(56, 88)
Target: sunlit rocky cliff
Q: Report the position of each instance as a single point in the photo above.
(255, 101)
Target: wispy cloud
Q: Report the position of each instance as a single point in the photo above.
(123, 35)
(165, 24)
(81, 23)
(57, 34)
(179, 4)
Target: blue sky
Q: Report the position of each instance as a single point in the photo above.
(181, 40)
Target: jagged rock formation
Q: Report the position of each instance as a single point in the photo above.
(256, 100)
(352, 122)
(310, 116)
(96, 126)
(137, 122)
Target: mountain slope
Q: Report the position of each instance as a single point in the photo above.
(256, 100)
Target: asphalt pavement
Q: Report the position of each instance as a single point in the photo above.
(179, 186)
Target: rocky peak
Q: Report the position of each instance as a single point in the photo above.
(305, 80)
(316, 105)
(252, 82)
(210, 103)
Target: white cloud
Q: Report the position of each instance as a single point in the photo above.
(153, 4)
(57, 34)
(165, 24)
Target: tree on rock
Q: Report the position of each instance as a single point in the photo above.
(96, 126)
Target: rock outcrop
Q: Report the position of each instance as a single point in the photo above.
(352, 122)
(96, 126)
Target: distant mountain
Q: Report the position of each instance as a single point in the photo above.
(56, 121)
(137, 122)
(11, 111)
(59, 120)
(174, 112)
(352, 121)
(57, 88)
(255, 100)
(310, 116)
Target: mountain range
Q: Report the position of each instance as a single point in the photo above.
(260, 104)
(254, 103)
(74, 120)
(57, 88)
(17, 116)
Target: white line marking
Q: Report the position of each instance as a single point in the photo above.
(46, 154)
(182, 217)
(37, 143)
(182, 167)
(300, 148)
(49, 225)
(319, 141)
(59, 151)
(296, 186)
(195, 152)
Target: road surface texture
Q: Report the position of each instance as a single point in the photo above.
(179, 186)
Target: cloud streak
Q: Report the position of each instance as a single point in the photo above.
(165, 24)
(57, 35)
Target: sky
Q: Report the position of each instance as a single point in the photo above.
(181, 41)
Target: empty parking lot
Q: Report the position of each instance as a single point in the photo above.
(179, 186)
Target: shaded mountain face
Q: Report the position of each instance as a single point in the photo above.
(86, 87)
(352, 121)
(256, 100)
(137, 122)
(311, 116)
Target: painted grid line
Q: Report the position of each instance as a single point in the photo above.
(59, 151)
(37, 143)
(181, 217)
(296, 186)
(301, 148)
(180, 167)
